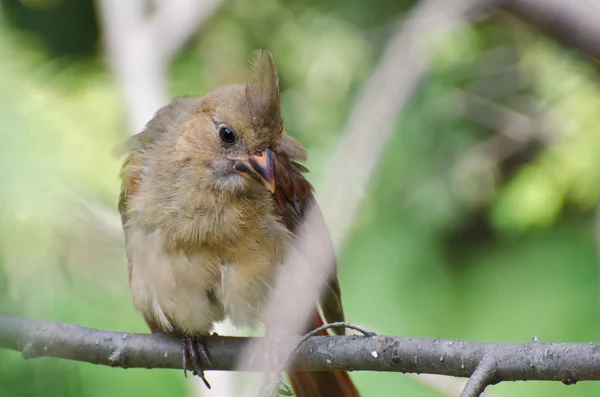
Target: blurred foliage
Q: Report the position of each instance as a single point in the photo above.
(478, 225)
(63, 27)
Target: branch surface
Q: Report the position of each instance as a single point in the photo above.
(495, 362)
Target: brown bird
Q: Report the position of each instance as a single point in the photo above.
(211, 197)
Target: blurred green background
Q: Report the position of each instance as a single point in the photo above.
(479, 224)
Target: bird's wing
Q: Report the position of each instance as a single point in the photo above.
(138, 145)
(293, 199)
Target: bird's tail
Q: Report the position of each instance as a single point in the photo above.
(322, 383)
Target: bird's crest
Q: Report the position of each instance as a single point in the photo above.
(262, 90)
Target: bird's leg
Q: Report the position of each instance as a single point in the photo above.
(191, 350)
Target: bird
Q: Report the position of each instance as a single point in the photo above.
(212, 195)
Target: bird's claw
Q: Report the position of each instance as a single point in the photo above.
(191, 350)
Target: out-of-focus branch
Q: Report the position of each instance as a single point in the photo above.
(176, 21)
(476, 174)
(137, 64)
(574, 23)
(485, 363)
(140, 48)
(404, 62)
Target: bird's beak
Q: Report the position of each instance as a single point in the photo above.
(260, 167)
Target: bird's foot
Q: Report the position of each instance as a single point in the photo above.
(192, 349)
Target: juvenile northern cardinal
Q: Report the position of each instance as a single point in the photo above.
(211, 197)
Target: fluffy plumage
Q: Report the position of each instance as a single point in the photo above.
(211, 197)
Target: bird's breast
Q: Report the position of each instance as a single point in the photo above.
(190, 289)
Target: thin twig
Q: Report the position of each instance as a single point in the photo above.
(325, 327)
(482, 377)
(361, 329)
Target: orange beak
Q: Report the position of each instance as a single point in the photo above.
(259, 167)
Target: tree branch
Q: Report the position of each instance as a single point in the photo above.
(485, 363)
(575, 24)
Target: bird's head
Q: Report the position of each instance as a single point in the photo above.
(236, 130)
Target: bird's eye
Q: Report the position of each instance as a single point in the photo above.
(227, 135)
